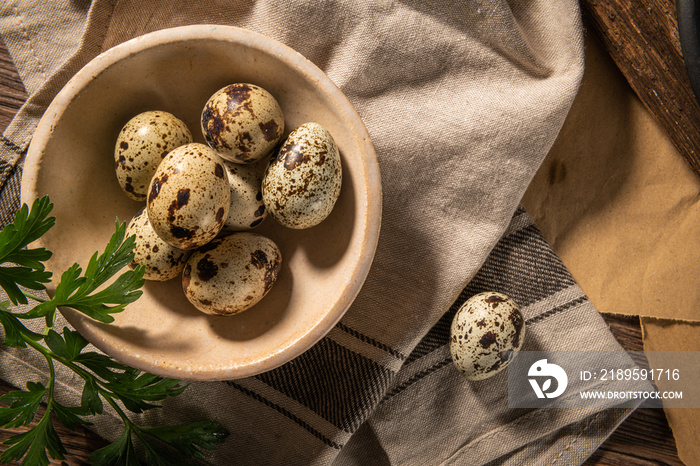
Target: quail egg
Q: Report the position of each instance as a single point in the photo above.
(160, 260)
(303, 179)
(247, 209)
(232, 273)
(243, 122)
(189, 196)
(486, 333)
(142, 144)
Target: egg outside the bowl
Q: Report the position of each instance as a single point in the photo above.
(486, 334)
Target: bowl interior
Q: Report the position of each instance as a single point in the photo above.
(71, 160)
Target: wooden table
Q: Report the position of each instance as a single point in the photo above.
(629, 30)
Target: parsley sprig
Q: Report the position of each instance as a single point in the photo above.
(96, 293)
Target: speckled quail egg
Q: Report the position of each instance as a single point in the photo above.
(487, 332)
(303, 179)
(243, 122)
(247, 209)
(189, 196)
(142, 144)
(232, 273)
(160, 260)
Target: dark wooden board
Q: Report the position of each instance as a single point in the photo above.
(642, 38)
(12, 93)
(643, 439)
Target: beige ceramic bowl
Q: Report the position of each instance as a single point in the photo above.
(176, 70)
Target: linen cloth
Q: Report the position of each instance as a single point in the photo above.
(462, 101)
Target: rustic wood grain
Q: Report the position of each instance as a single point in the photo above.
(642, 38)
(12, 93)
(79, 442)
(644, 438)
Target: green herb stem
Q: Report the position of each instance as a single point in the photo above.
(52, 377)
(34, 297)
(127, 422)
(50, 355)
(47, 353)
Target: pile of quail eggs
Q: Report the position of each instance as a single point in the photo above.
(202, 200)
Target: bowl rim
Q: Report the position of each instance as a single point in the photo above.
(284, 53)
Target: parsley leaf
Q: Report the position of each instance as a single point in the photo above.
(137, 392)
(90, 398)
(15, 332)
(121, 452)
(35, 443)
(23, 405)
(70, 415)
(189, 439)
(67, 346)
(105, 367)
(14, 238)
(78, 291)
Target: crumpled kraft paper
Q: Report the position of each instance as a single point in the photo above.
(621, 208)
(619, 204)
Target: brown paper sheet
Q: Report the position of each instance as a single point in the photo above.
(619, 204)
(665, 335)
(621, 208)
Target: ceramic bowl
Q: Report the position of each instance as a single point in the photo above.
(71, 159)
